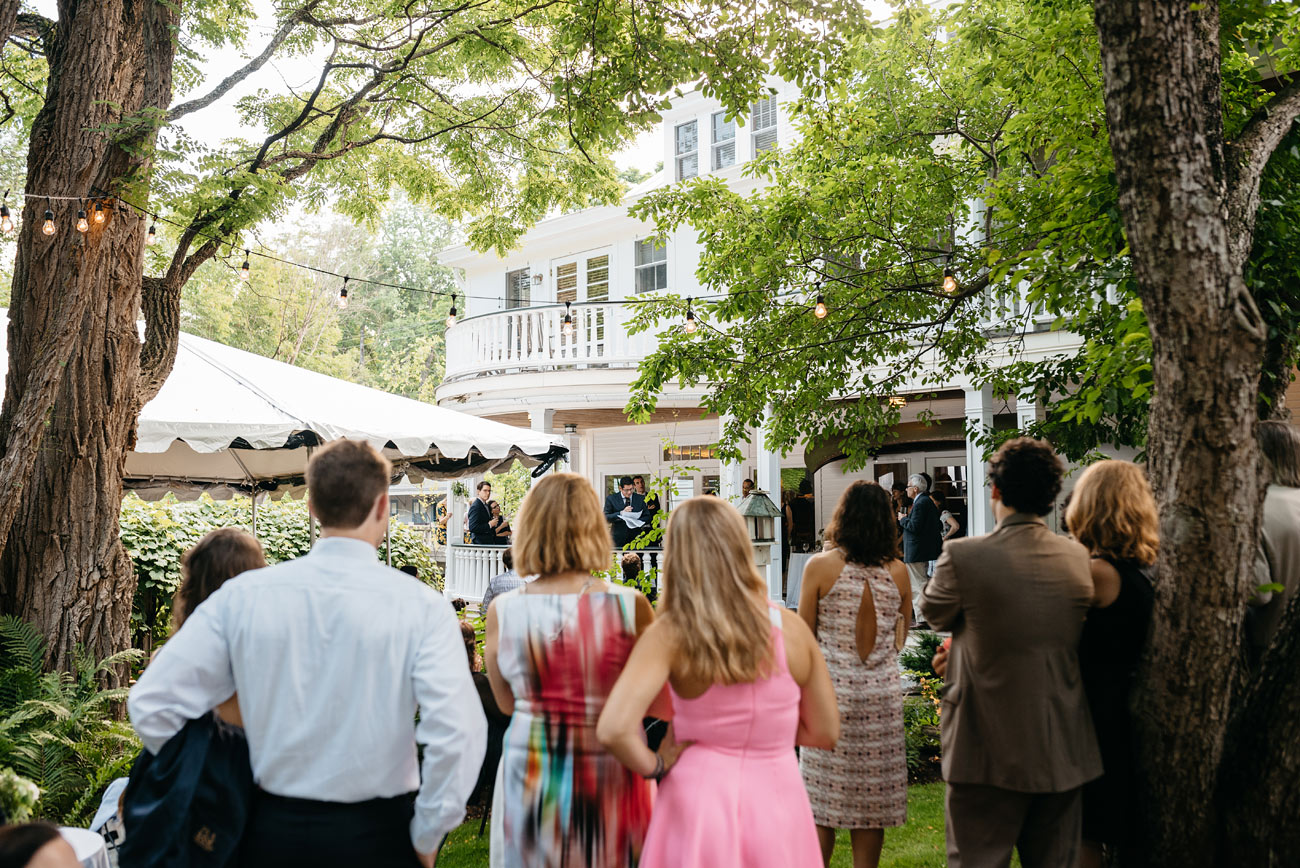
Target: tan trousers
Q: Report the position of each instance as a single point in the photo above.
(984, 823)
(916, 572)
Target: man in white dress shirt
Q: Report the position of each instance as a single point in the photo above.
(331, 655)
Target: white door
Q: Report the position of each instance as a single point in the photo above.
(580, 280)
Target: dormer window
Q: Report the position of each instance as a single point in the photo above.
(651, 266)
(724, 141)
(763, 120)
(687, 138)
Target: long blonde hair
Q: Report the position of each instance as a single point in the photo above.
(1113, 513)
(713, 596)
(561, 529)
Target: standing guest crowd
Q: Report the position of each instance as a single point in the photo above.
(363, 741)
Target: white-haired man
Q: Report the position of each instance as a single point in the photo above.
(922, 533)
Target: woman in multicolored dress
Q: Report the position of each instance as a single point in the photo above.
(555, 647)
(856, 597)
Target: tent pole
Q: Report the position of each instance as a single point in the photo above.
(311, 521)
(254, 498)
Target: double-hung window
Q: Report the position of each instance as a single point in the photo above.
(763, 120)
(724, 141)
(651, 266)
(687, 137)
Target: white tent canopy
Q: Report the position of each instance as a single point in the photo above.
(230, 421)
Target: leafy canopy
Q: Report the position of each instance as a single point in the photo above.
(970, 138)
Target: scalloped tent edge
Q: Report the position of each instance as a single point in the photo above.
(229, 422)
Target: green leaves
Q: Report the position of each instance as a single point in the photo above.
(970, 138)
(157, 535)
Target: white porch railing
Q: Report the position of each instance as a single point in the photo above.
(470, 568)
(533, 339)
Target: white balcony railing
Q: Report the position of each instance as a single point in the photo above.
(532, 339)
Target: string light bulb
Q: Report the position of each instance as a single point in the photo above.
(82, 223)
(689, 327)
(99, 212)
(343, 295)
(243, 269)
(569, 327)
(949, 281)
(820, 310)
(152, 235)
(6, 222)
(451, 314)
(48, 226)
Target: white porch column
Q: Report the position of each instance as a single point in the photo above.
(769, 480)
(459, 509)
(544, 421)
(979, 418)
(729, 472)
(1026, 413)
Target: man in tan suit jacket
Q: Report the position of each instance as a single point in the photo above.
(1018, 743)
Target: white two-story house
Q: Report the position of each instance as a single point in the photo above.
(511, 358)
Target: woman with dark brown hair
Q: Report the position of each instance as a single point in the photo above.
(857, 599)
(214, 560)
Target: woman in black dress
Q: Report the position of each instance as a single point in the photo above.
(1113, 513)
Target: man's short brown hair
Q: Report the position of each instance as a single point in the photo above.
(1028, 474)
(343, 480)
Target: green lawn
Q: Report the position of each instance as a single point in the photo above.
(919, 844)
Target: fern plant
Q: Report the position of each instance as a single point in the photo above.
(58, 729)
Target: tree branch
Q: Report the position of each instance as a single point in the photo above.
(286, 27)
(1248, 156)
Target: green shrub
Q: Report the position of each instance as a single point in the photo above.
(157, 535)
(58, 729)
(921, 722)
(917, 658)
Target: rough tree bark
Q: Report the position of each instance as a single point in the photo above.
(1189, 202)
(76, 299)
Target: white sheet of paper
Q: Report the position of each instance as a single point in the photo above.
(631, 519)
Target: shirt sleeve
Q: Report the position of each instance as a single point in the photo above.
(190, 676)
(940, 601)
(452, 729)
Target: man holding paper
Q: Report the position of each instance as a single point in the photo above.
(625, 511)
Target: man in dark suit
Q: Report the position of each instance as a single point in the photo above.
(482, 526)
(1018, 742)
(922, 533)
(625, 500)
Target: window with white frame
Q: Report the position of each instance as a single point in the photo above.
(724, 141)
(651, 265)
(687, 150)
(519, 288)
(763, 119)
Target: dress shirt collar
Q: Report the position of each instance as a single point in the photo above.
(344, 547)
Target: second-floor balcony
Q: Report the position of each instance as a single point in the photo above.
(535, 339)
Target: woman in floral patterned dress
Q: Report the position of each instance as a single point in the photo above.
(555, 647)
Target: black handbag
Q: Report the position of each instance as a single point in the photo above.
(187, 805)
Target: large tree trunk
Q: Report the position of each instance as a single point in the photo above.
(1162, 82)
(1258, 799)
(63, 566)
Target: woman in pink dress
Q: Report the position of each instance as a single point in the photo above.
(748, 683)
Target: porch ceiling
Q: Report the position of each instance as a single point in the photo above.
(607, 417)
